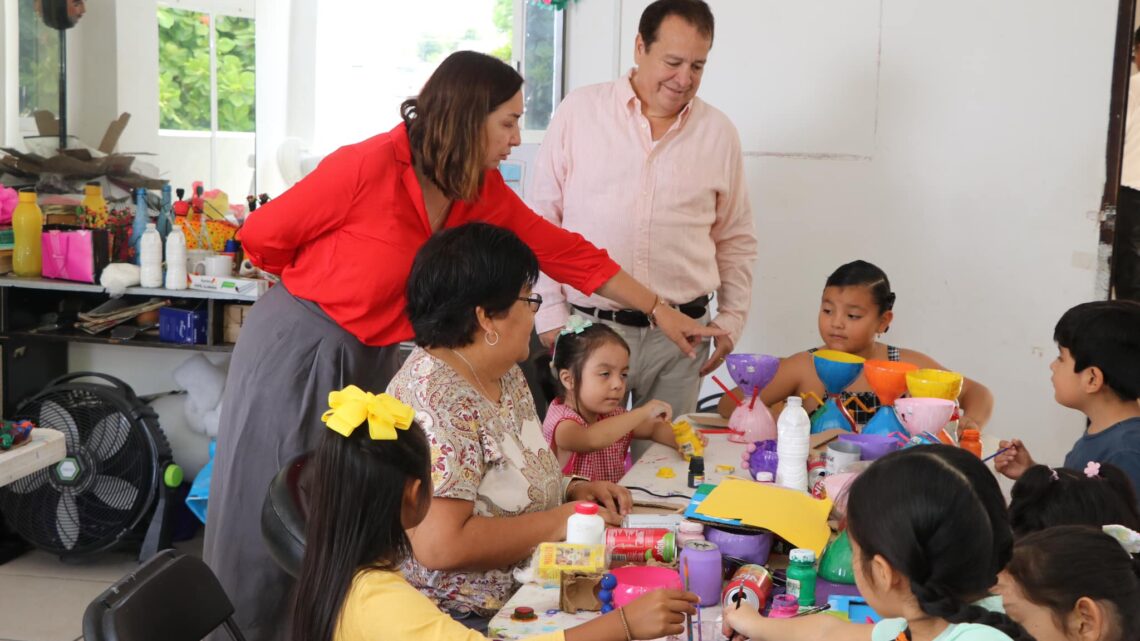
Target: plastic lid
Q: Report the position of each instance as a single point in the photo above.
(800, 555)
(585, 507)
(795, 401)
(971, 434)
(150, 226)
(27, 196)
(697, 464)
(765, 477)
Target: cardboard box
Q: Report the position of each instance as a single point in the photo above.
(233, 319)
(186, 326)
(254, 287)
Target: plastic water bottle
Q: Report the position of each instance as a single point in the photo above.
(585, 525)
(28, 227)
(176, 259)
(793, 445)
(150, 258)
(138, 228)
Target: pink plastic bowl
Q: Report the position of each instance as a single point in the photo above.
(636, 580)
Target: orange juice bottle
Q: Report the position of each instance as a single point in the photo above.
(28, 227)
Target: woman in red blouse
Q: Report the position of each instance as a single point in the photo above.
(343, 240)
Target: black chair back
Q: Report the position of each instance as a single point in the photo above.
(172, 597)
(283, 516)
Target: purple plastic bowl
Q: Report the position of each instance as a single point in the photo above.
(763, 458)
(751, 370)
(872, 446)
(751, 548)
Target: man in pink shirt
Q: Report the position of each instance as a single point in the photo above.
(654, 175)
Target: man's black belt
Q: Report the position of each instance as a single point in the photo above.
(695, 308)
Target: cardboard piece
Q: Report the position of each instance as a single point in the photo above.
(791, 515)
(579, 591)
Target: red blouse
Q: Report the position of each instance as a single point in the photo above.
(345, 236)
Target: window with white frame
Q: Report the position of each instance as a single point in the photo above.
(38, 65)
(372, 56)
(205, 71)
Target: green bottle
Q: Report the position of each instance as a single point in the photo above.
(801, 576)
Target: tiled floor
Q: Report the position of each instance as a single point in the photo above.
(43, 598)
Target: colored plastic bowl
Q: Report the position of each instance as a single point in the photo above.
(636, 580)
(872, 446)
(751, 371)
(750, 548)
(887, 378)
(934, 383)
(925, 414)
(837, 370)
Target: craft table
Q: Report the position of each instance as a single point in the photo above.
(43, 448)
(643, 474)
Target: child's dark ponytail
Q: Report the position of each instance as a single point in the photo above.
(1044, 497)
(946, 529)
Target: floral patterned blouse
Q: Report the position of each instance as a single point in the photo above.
(492, 455)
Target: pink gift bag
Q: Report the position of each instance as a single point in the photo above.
(75, 254)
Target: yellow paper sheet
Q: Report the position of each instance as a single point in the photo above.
(792, 515)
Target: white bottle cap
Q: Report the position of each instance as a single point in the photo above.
(795, 401)
(150, 226)
(764, 477)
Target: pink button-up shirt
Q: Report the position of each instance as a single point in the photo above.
(673, 213)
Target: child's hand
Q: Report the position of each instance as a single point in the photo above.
(742, 623)
(659, 613)
(1013, 462)
(658, 410)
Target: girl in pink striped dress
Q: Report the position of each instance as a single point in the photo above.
(587, 426)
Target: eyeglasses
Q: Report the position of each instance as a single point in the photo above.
(535, 301)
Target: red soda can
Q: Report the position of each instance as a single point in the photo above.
(640, 545)
(751, 584)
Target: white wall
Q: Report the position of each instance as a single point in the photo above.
(976, 190)
(975, 185)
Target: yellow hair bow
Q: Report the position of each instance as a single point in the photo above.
(349, 407)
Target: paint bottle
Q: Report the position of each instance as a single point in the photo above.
(971, 441)
(801, 576)
(784, 606)
(696, 471)
(28, 227)
(138, 228)
(585, 526)
(687, 440)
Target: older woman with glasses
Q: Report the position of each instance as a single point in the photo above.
(499, 490)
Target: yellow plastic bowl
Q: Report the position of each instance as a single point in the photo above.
(934, 383)
(837, 356)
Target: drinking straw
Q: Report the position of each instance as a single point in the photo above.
(727, 391)
(755, 393)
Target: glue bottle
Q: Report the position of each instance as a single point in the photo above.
(585, 525)
(176, 259)
(150, 257)
(792, 445)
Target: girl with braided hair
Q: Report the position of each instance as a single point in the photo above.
(929, 533)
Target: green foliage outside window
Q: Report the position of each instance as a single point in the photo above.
(39, 62)
(184, 71)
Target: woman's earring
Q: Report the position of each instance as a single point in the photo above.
(489, 340)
